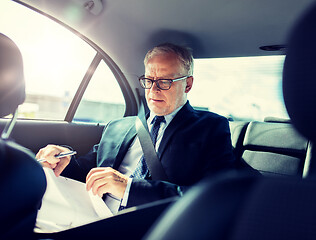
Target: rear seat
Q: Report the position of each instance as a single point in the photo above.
(272, 148)
(238, 131)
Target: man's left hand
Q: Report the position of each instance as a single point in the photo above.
(106, 180)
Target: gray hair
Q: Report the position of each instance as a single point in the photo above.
(184, 55)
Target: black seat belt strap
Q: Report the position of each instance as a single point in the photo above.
(150, 154)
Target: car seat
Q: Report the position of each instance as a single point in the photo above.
(237, 205)
(22, 179)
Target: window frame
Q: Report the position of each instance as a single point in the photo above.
(129, 98)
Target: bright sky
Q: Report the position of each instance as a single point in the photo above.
(46, 50)
(247, 87)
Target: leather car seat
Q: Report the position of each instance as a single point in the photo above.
(237, 205)
(22, 179)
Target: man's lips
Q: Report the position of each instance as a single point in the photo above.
(156, 100)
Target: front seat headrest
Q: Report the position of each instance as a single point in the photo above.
(299, 75)
(12, 86)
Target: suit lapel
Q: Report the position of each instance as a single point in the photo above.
(129, 137)
(127, 141)
(180, 120)
(115, 142)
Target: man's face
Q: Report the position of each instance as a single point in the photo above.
(164, 102)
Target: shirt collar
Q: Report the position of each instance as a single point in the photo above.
(168, 117)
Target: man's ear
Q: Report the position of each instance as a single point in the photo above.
(189, 81)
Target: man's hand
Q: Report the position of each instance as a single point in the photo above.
(57, 164)
(106, 180)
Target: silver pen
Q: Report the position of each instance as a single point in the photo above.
(60, 155)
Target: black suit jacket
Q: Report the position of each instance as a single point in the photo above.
(195, 144)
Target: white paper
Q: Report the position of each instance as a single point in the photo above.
(66, 204)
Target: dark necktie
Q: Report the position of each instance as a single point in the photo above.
(141, 170)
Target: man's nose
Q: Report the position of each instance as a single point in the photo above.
(154, 87)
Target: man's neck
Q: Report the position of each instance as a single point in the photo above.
(168, 117)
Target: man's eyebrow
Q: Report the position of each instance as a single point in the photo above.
(164, 77)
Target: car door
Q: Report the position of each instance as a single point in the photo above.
(73, 88)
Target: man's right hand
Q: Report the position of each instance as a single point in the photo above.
(57, 164)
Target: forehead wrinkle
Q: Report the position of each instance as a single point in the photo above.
(158, 72)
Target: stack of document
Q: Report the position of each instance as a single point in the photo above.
(67, 204)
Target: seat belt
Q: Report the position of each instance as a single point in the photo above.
(153, 163)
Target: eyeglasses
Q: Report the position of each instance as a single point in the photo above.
(163, 84)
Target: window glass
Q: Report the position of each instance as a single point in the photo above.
(244, 88)
(55, 62)
(103, 99)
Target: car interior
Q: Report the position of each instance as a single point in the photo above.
(276, 204)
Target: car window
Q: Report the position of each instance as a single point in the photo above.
(102, 100)
(240, 88)
(55, 62)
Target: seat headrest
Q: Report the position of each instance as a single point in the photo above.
(299, 75)
(12, 87)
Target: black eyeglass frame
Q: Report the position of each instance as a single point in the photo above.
(142, 84)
